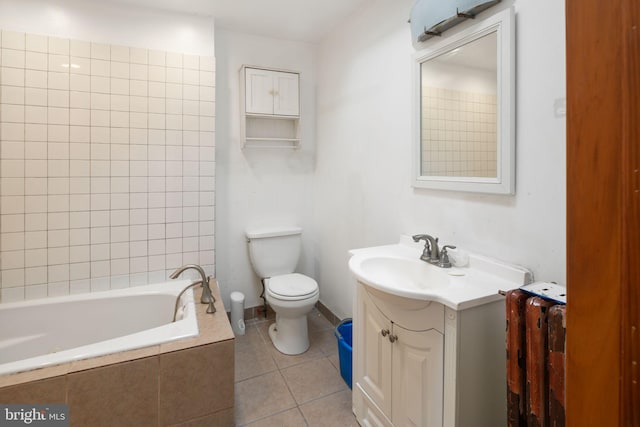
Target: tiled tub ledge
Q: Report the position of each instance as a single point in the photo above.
(185, 382)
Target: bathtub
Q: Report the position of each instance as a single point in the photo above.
(51, 331)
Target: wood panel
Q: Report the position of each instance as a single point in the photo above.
(603, 212)
(594, 224)
(630, 392)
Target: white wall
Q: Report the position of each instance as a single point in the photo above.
(259, 186)
(362, 186)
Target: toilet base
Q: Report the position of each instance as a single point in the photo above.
(290, 336)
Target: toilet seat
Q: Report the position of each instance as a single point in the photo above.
(292, 287)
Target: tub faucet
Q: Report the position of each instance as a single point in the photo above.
(207, 297)
(431, 253)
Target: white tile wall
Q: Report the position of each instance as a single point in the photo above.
(458, 133)
(107, 165)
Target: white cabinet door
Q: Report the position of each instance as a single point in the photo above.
(372, 417)
(376, 356)
(286, 98)
(258, 91)
(272, 92)
(417, 368)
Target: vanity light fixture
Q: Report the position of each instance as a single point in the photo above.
(431, 18)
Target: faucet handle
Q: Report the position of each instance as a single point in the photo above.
(444, 257)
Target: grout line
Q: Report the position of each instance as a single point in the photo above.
(279, 369)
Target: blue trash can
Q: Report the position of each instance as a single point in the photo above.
(344, 335)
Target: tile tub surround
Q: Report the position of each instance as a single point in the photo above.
(107, 165)
(186, 382)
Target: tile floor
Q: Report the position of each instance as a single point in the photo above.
(273, 389)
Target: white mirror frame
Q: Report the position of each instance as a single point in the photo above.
(503, 23)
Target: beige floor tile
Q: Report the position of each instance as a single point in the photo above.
(330, 411)
(325, 340)
(251, 334)
(317, 322)
(261, 396)
(335, 361)
(263, 328)
(252, 355)
(314, 379)
(290, 418)
(284, 360)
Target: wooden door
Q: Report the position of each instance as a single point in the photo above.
(603, 212)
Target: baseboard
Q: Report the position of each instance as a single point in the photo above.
(257, 312)
(328, 314)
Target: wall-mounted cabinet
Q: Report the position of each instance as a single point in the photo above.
(270, 107)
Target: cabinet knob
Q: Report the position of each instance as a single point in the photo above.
(393, 338)
(384, 332)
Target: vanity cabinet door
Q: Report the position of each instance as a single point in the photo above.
(376, 356)
(417, 368)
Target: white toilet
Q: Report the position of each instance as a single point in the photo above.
(274, 253)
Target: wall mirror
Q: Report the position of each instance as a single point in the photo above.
(464, 115)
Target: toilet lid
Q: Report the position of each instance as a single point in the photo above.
(292, 285)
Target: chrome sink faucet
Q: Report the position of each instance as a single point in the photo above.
(431, 252)
(207, 296)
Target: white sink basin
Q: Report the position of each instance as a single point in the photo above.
(398, 270)
(390, 272)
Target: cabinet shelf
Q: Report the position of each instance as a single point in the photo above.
(271, 116)
(272, 139)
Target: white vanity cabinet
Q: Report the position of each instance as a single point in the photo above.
(399, 363)
(270, 107)
(421, 363)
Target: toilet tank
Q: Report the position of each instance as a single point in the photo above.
(274, 251)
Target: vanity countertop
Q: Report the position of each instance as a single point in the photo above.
(459, 288)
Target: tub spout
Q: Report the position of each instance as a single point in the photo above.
(207, 297)
(211, 309)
